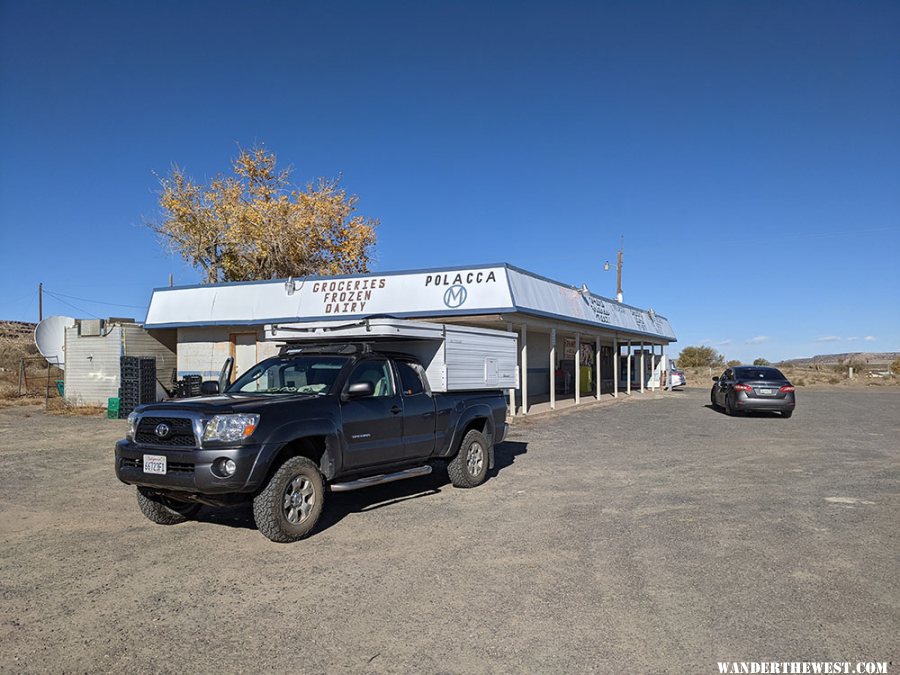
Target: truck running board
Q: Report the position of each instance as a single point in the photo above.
(380, 479)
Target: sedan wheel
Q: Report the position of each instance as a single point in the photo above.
(729, 406)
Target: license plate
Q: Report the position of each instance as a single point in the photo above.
(767, 392)
(155, 464)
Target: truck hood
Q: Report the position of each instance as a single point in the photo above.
(223, 403)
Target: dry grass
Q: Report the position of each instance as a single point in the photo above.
(58, 406)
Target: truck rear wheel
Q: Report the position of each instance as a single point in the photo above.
(164, 511)
(470, 466)
(289, 506)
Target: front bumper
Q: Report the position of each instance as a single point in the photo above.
(191, 470)
(744, 402)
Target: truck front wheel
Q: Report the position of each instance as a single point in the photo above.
(163, 511)
(470, 466)
(289, 506)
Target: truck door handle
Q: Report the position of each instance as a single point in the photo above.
(396, 409)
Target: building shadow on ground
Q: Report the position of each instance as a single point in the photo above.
(338, 505)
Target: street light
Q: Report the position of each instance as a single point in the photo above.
(606, 267)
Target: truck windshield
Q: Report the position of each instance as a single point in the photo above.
(290, 375)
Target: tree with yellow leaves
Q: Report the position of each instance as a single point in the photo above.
(256, 225)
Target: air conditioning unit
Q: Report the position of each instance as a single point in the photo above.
(90, 327)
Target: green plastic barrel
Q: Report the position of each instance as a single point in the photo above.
(112, 408)
(60, 387)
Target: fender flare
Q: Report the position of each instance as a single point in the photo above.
(477, 411)
(297, 430)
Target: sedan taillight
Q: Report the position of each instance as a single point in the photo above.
(743, 387)
(787, 388)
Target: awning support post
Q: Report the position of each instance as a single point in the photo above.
(552, 369)
(617, 370)
(665, 369)
(597, 367)
(628, 370)
(577, 368)
(512, 391)
(524, 368)
(643, 369)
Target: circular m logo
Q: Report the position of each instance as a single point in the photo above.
(455, 296)
(162, 430)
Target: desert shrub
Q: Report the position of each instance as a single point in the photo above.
(895, 366)
(799, 382)
(733, 363)
(834, 380)
(761, 362)
(699, 357)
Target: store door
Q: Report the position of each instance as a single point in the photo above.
(243, 350)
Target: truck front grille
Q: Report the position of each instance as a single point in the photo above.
(181, 432)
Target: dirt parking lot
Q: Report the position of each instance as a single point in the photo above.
(651, 535)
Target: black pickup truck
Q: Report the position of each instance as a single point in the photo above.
(313, 419)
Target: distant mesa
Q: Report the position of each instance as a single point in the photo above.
(867, 358)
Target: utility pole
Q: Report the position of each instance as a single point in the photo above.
(171, 280)
(40, 302)
(619, 271)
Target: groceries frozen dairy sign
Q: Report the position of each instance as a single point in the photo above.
(347, 296)
(404, 293)
(431, 292)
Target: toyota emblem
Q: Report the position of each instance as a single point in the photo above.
(162, 430)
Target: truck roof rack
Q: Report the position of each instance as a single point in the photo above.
(325, 348)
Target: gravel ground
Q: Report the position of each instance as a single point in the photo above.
(650, 535)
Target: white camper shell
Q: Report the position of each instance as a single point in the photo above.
(455, 358)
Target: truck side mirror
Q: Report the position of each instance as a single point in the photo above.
(209, 388)
(360, 390)
(225, 374)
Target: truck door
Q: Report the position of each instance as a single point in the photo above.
(418, 411)
(373, 425)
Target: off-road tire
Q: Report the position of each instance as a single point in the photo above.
(163, 511)
(286, 490)
(787, 414)
(465, 470)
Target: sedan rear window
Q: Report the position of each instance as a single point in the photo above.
(758, 374)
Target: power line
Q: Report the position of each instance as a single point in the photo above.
(58, 299)
(96, 302)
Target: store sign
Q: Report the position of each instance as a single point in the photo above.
(554, 299)
(464, 290)
(423, 294)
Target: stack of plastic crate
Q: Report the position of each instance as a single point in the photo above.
(137, 382)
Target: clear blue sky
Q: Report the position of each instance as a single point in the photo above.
(748, 151)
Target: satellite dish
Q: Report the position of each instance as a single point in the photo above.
(50, 338)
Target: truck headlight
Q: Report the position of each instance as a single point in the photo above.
(132, 425)
(230, 428)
